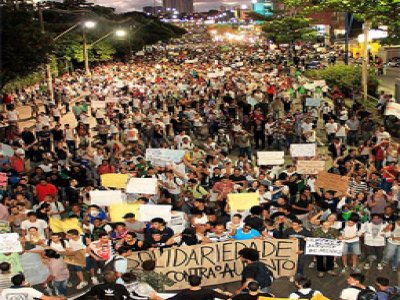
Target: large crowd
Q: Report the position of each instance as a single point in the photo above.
(221, 107)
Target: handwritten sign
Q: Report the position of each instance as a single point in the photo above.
(76, 258)
(243, 201)
(313, 102)
(165, 155)
(105, 198)
(271, 158)
(310, 167)
(148, 212)
(9, 243)
(333, 182)
(218, 263)
(302, 150)
(392, 109)
(319, 246)
(142, 186)
(3, 179)
(117, 211)
(112, 180)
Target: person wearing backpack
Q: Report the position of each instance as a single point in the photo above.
(118, 263)
(357, 290)
(304, 290)
(254, 270)
(385, 291)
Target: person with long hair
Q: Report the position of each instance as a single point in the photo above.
(59, 273)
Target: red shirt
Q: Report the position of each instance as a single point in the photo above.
(18, 164)
(44, 190)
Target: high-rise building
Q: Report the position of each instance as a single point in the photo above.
(263, 7)
(182, 6)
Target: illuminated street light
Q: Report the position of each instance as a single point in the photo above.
(89, 24)
(120, 33)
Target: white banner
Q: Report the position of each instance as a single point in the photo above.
(166, 155)
(142, 186)
(105, 198)
(321, 247)
(393, 109)
(270, 158)
(98, 104)
(9, 243)
(148, 212)
(302, 150)
(112, 100)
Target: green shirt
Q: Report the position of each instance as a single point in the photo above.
(332, 233)
(155, 280)
(14, 260)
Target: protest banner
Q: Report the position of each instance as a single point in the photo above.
(98, 104)
(302, 150)
(35, 271)
(105, 198)
(332, 182)
(112, 99)
(393, 109)
(142, 186)
(117, 211)
(243, 201)
(320, 246)
(3, 179)
(166, 155)
(76, 258)
(9, 243)
(313, 102)
(310, 167)
(57, 225)
(113, 180)
(148, 212)
(217, 263)
(271, 158)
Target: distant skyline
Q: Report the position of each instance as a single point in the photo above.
(199, 5)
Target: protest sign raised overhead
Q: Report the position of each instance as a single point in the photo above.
(217, 263)
(164, 155)
(57, 225)
(148, 212)
(112, 180)
(117, 211)
(272, 158)
(9, 242)
(319, 246)
(310, 167)
(142, 186)
(243, 201)
(105, 198)
(333, 182)
(302, 150)
(392, 109)
(313, 102)
(98, 104)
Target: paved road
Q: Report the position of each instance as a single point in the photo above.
(388, 80)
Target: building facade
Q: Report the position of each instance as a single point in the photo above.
(182, 6)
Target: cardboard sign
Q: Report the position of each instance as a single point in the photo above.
(9, 243)
(310, 167)
(333, 182)
(392, 109)
(148, 212)
(142, 186)
(113, 180)
(319, 246)
(302, 150)
(76, 258)
(3, 179)
(227, 69)
(243, 201)
(271, 158)
(57, 225)
(313, 102)
(117, 211)
(218, 263)
(105, 198)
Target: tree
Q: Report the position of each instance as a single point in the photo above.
(24, 48)
(289, 30)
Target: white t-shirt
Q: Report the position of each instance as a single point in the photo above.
(23, 293)
(351, 231)
(331, 128)
(39, 223)
(351, 293)
(303, 292)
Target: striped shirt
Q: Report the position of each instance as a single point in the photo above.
(355, 187)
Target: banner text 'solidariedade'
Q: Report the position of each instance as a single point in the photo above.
(219, 262)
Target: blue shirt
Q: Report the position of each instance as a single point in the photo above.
(240, 235)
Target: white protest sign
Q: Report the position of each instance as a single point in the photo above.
(191, 61)
(112, 100)
(302, 150)
(239, 64)
(165, 155)
(142, 186)
(392, 109)
(271, 158)
(98, 104)
(313, 102)
(310, 167)
(227, 69)
(320, 246)
(220, 73)
(320, 83)
(148, 212)
(309, 86)
(105, 198)
(9, 243)
(212, 75)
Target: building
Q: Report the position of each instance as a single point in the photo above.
(181, 6)
(154, 10)
(263, 7)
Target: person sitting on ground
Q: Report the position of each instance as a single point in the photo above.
(196, 292)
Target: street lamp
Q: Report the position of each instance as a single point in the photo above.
(120, 33)
(89, 24)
